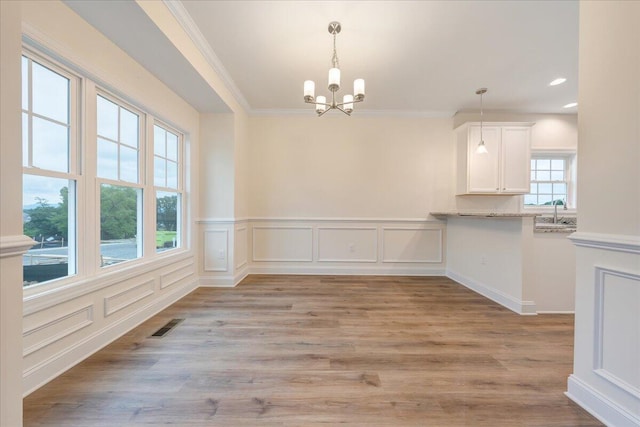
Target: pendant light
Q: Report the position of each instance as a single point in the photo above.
(481, 148)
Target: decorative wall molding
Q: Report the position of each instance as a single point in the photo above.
(175, 275)
(127, 297)
(306, 256)
(227, 281)
(600, 315)
(56, 329)
(38, 299)
(598, 405)
(11, 246)
(212, 247)
(351, 242)
(360, 270)
(518, 306)
(610, 242)
(385, 245)
(241, 256)
(54, 365)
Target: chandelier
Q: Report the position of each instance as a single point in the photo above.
(322, 106)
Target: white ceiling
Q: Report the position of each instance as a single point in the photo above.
(417, 57)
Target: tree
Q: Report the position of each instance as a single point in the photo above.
(47, 221)
(166, 212)
(118, 212)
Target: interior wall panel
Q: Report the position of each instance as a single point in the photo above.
(282, 243)
(347, 244)
(412, 245)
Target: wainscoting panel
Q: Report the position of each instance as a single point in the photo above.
(617, 339)
(179, 272)
(216, 249)
(282, 244)
(38, 336)
(123, 299)
(347, 244)
(411, 244)
(241, 237)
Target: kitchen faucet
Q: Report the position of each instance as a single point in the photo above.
(555, 210)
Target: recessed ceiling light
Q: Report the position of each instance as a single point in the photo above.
(571, 104)
(558, 81)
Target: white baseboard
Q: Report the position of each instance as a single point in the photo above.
(45, 371)
(372, 270)
(513, 304)
(226, 281)
(598, 405)
(556, 312)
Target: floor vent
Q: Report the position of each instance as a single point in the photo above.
(166, 328)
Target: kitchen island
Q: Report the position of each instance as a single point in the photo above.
(502, 256)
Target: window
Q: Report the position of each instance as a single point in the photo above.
(49, 130)
(118, 164)
(99, 174)
(167, 149)
(551, 181)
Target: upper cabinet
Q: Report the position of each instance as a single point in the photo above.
(504, 169)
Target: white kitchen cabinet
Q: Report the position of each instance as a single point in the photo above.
(504, 169)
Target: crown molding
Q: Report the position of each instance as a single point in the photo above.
(187, 23)
(359, 113)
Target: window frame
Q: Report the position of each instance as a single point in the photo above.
(179, 189)
(74, 171)
(570, 158)
(83, 170)
(140, 185)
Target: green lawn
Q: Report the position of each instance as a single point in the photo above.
(165, 237)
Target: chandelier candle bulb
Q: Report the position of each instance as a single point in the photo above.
(320, 107)
(358, 89)
(334, 79)
(309, 90)
(347, 103)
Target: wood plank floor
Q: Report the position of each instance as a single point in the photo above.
(325, 350)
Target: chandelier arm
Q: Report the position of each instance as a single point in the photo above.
(340, 108)
(355, 101)
(317, 103)
(324, 112)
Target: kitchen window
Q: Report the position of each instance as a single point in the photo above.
(552, 180)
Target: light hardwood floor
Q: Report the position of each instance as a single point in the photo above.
(325, 350)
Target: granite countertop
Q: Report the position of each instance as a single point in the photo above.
(542, 224)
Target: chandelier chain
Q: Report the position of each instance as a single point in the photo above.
(334, 59)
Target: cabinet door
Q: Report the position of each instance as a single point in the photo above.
(515, 160)
(483, 176)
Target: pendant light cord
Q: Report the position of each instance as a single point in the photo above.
(334, 59)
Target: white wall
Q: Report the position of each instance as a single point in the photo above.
(12, 243)
(349, 167)
(606, 376)
(66, 324)
(489, 255)
(553, 272)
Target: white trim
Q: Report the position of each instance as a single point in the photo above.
(598, 405)
(313, 219)
(62, 334)
(354, 260)
(62, 293)
(416, 261)
(11, 246)
(54, 366)
(163, 277)
(513, 304)
(228, 281)
(185, 21)
(428, 114)
(226, 250)
(612, 242)
(598, 335)
(278, 227)
(555, 312)
(369, 270)
(109, 310)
